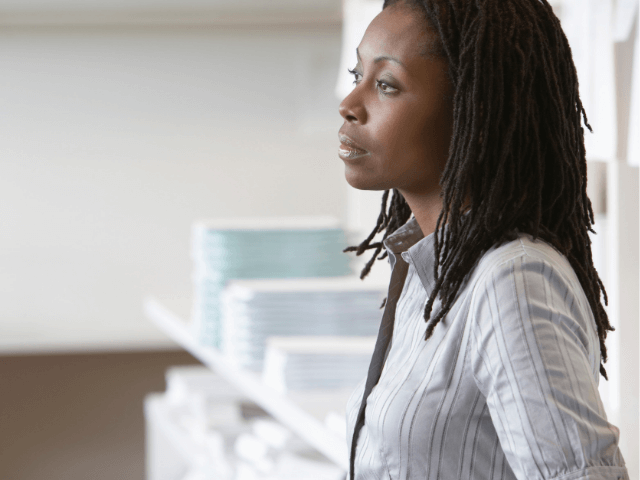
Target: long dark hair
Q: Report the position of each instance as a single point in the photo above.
(517, 154)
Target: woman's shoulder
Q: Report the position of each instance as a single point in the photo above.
(529, 256)
(528, 285)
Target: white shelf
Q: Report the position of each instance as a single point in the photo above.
(157, 412)
(172, 451)
(291, 412)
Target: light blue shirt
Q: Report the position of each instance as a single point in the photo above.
(507, 386)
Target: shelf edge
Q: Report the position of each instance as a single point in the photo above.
(279, 406)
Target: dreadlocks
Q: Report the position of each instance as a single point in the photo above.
(517, 155)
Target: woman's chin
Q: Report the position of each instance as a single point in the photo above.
(363, 182)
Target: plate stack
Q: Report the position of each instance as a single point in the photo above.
(316, 363)
(254, 310)
(259, 248)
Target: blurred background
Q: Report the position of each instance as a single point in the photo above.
(124, 122)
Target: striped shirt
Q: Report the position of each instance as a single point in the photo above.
(507, 386)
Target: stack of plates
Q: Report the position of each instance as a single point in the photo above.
(259, 248)
(254, 310)
(312, 363)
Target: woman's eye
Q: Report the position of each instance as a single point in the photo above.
(356, 76)
(385, 87)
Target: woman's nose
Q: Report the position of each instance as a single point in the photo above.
(352, 108)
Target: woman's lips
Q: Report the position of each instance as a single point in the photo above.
(349, 150)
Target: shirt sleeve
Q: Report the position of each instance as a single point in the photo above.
(535, 357)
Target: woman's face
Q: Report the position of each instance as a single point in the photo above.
(398, 119)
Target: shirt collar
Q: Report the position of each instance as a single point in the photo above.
(415, 248)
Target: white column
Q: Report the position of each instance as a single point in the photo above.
(623, 287)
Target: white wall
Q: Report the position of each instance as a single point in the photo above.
(115, 138)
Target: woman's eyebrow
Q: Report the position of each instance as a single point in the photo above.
(381, 58)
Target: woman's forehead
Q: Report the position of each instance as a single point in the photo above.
(400, 32)
(397, 31)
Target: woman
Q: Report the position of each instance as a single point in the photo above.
(469, 111)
